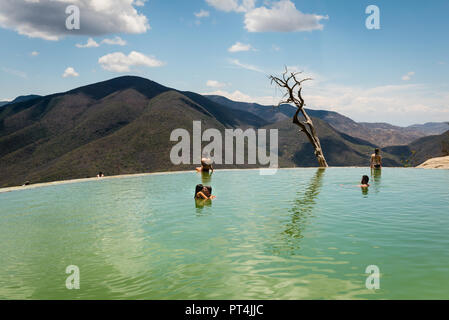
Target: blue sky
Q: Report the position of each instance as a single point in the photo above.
(396, 74)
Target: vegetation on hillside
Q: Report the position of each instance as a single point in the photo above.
(123, 126)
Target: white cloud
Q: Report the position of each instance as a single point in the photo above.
(119, 62)
(202, 14)
(397, 104)
(242, 97)
(140, 3)
(70, 72)
(16, 73)
(250, 67)
(282, 16)
(215, 84)
(115, 41)
(275, 47)
(45, 19)
(91, 43)
(408, 76)
(232, 5)
(238, 46)
(34, 53)
(400, 104)
(304, 72)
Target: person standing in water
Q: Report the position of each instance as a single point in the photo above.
(376, 159)
(206, 166)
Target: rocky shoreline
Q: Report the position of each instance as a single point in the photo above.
(436, 163)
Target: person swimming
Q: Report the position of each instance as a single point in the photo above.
(364, 183)
(100, 175)
(203, 192)
(206, 166)
(376, 159)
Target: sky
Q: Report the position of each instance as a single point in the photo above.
(397, 73)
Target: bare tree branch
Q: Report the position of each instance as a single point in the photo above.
(290, 82)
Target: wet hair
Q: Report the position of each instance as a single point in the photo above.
(206, 166)
(365, 179)
(376, 151)
(198, 188)
(209, 188)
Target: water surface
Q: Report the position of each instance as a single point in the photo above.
(299, 234)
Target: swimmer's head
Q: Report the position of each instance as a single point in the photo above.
(207, 190)
(206, 162)
(365, 180)
(376, 151)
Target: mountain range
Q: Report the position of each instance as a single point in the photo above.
(380, 134)
(20, 99)
(123, 126)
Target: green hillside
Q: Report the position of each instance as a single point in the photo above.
(339, 148)
(123, 126)
(422, 149)
(381, 134)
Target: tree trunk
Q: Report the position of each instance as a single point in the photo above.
(305, 126)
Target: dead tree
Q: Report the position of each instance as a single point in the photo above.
(293, 86)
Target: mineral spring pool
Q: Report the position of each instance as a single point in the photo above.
(299, 234)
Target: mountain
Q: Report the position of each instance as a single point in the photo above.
(123, 126)
(271, 114)
(431, 128)
(20, 99)
(380, 134)
(421, 149)
(295, 150)
(339, 148)
(25, 98)
(118, 126)
(385, 134)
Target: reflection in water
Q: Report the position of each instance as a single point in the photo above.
(301, 211)
(201, 203)
(365, 190)
(376, 174)
(206, 177)
(132, 241)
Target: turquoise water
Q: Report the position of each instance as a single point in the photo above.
(299, 234)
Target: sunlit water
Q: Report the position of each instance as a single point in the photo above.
(299, 234)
